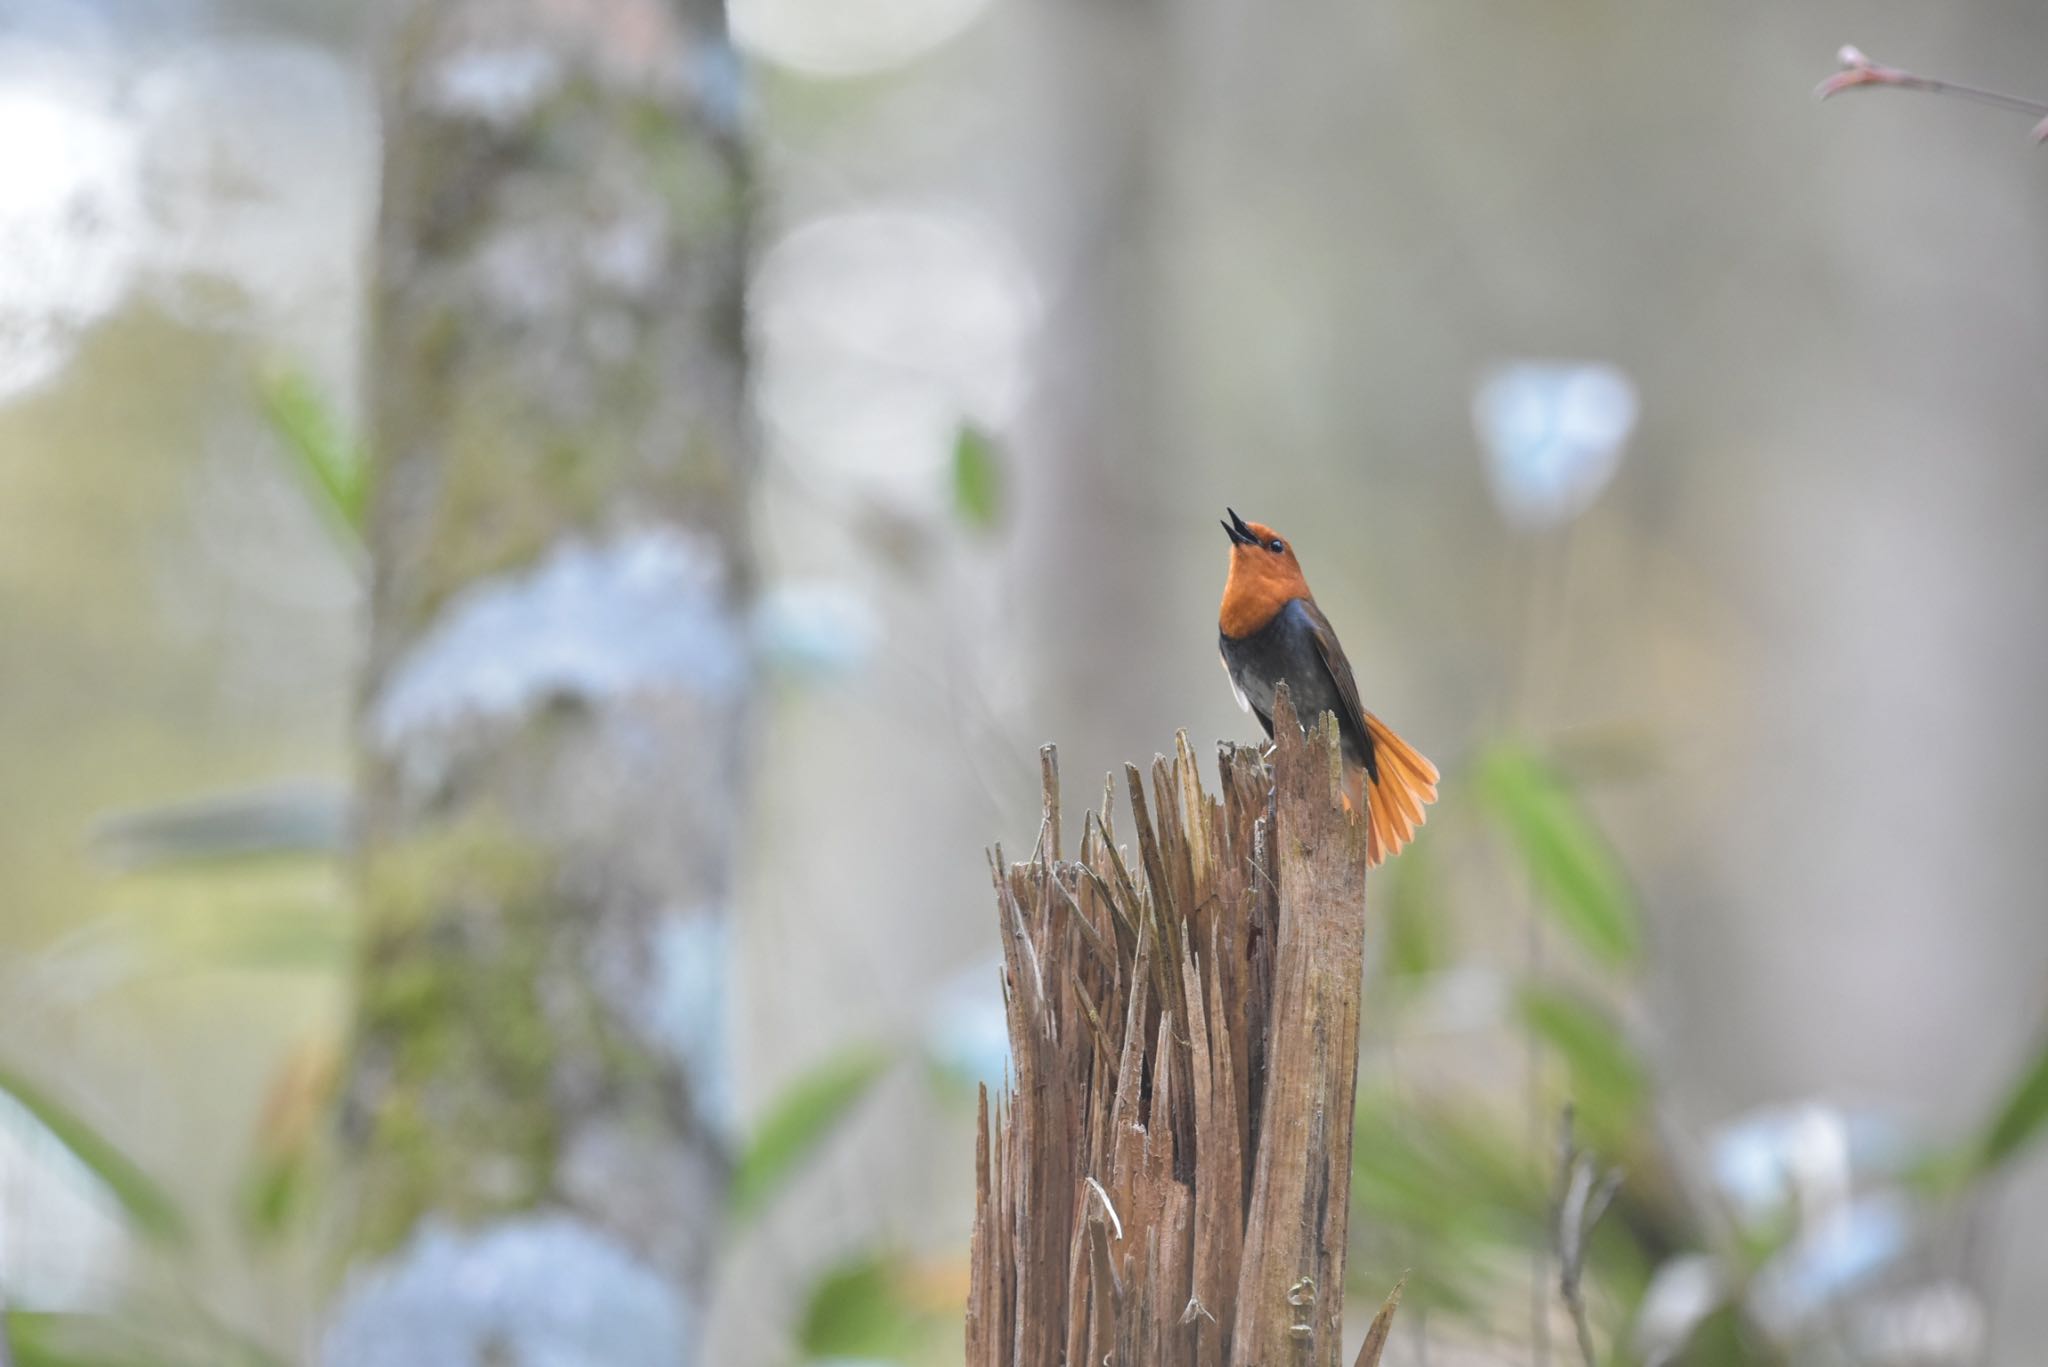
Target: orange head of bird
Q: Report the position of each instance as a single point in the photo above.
(1264, 577)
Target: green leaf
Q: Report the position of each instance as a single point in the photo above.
(1609, 1084)
(1416, 910)
(977, 478)
(146, 1204)
(332, 463)
(66, 1340)
(273, 1195)
(308, 818)
(1574, 869)
(799, 1121)
(311, 935)
(2020, 1118)
(1444, 1198)
(141, 1335)
(857, 1310)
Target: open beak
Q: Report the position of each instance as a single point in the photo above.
(1236, 529)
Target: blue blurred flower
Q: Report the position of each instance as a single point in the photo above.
(815, 628)
(532, 1288)
(1803, 1156)
(1554, 432)
(1835, 1257)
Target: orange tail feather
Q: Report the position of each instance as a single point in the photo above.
(1407, 784)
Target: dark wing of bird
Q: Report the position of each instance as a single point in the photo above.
(1352, 718)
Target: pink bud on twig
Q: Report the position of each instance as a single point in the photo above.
(1858, 69)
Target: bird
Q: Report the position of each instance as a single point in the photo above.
(1269, 629)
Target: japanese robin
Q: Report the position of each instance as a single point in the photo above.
(1270, 629)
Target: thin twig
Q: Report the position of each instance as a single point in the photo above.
(1584, 1193)
(1539, 1272)
(1543, 581)
(1859, 70)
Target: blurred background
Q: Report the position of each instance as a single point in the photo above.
(1666, 447)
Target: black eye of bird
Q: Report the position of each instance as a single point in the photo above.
(1276, 546)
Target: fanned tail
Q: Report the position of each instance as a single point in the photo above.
(1407, 784)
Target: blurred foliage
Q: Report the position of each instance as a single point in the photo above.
(2020, 1119)
(334, 466)
(1442, 1195)
(53, 1340)
(1455, 1191)
(274, 1195)
(149, 1208)
(977, 478)
(1609, 1087)
(179, 1335)
(286, 1173)
(1570, 862)
(1411, 896)
(858, 1310)
(799, 1121)
(1458, 1191)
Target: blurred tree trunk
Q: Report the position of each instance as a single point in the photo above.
(1101, 536)
(535, 1111)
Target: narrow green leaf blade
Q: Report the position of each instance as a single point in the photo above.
(148, 1206)
(857, 1311)
(800, 1120)
(1609, 1081)
(333, 465)
(1416, 913)
(1449, 1200)
(1575, 870)
(2020, 1117)
(270, 1196)
(46, 1339)
(155, 1336)
(977, 478)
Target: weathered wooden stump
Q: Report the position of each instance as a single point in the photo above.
(1167, 1180)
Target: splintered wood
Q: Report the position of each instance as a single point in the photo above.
(1167, 1179)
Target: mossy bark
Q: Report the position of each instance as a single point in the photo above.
(547, 851)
